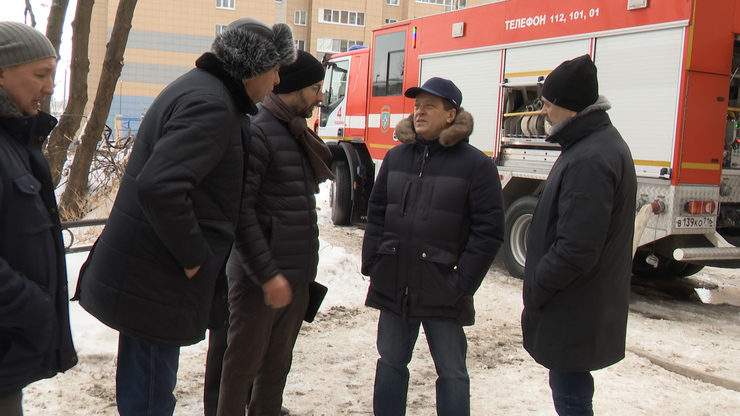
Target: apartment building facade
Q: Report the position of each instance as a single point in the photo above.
(167, 36)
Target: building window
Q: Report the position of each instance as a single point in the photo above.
(220, 28)
(225, 4)
(300, 17)
(342, 17)
(441, 2)
(300, 44)
(455, 5)
(391, 2)
(335, 45)
(390, 21)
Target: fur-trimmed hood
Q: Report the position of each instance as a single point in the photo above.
(459, 130)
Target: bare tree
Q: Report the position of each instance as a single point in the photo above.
(29, 13)
(54, 32)
(63, 135)
(72, 204)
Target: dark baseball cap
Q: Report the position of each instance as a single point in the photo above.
(442, 88)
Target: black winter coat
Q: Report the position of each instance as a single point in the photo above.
(435, 222)
(277, 231)
(579, 250)
(35, 339)
(176, 208)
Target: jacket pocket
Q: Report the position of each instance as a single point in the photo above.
(438, 277)
(384, 271)
(30, 213)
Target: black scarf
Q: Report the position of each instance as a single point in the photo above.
(318, 152)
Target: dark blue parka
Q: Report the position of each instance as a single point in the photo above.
(176, 208)
(35, 339)
(435, 223)
(579, 250)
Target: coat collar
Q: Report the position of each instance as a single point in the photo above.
(8, 107)
(210, 63)
(459, 130)
(590, 119)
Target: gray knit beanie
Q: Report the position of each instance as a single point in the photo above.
(20, 44)
(249, 47)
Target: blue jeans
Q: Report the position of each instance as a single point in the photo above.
(572, 393)
(448, 346)
(145, 377)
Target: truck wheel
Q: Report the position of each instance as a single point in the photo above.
(340, 194)
(691, 269)
(518, 220)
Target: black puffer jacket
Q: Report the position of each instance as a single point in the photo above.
(579, 251)
(435, 223)
(176, 208)
(35, 340)
(277, 230)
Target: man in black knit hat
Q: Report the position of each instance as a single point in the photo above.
(579, 249)
(275, 255)
(156, 274)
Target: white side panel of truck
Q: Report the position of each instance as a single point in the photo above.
(477, 75)
(640, 75)
(525, 64)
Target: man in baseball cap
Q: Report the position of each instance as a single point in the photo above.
(435, 221)
(36, 339)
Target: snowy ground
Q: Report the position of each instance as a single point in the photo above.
(334, 358)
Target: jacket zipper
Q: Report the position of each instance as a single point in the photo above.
(424, 160)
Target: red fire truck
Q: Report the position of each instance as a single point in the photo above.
(669, 68)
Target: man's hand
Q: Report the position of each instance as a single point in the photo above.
(277, 292)
(189, 273)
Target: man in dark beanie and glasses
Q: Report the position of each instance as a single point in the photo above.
(157, 272)
(579, 248)
(275, 255)
(35, 339)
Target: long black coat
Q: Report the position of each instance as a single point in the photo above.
(579, 250)
(176, 208)
(277, 231)
(35, 339)
(435, 222)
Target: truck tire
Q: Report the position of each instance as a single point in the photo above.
(516, 230)
(341, 195)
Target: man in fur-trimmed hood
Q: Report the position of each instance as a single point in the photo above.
(156, 274)
(435, 222)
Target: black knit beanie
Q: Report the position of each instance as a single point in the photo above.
(305, 71)
(572, 85)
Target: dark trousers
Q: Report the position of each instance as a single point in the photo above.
(572, 393)
(145, 377)
(259, 351)
(11, 404)
(214, 366)
(448, 346)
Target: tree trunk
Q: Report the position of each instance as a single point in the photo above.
(73, 199)
(63, 135)
(54, 32)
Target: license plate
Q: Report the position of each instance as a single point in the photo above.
(695, 222)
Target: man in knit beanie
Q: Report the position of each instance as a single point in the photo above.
(579, 248)
(273, 263)
(156, 273)
(35, 337)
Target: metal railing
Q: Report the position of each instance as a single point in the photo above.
(68, 226)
